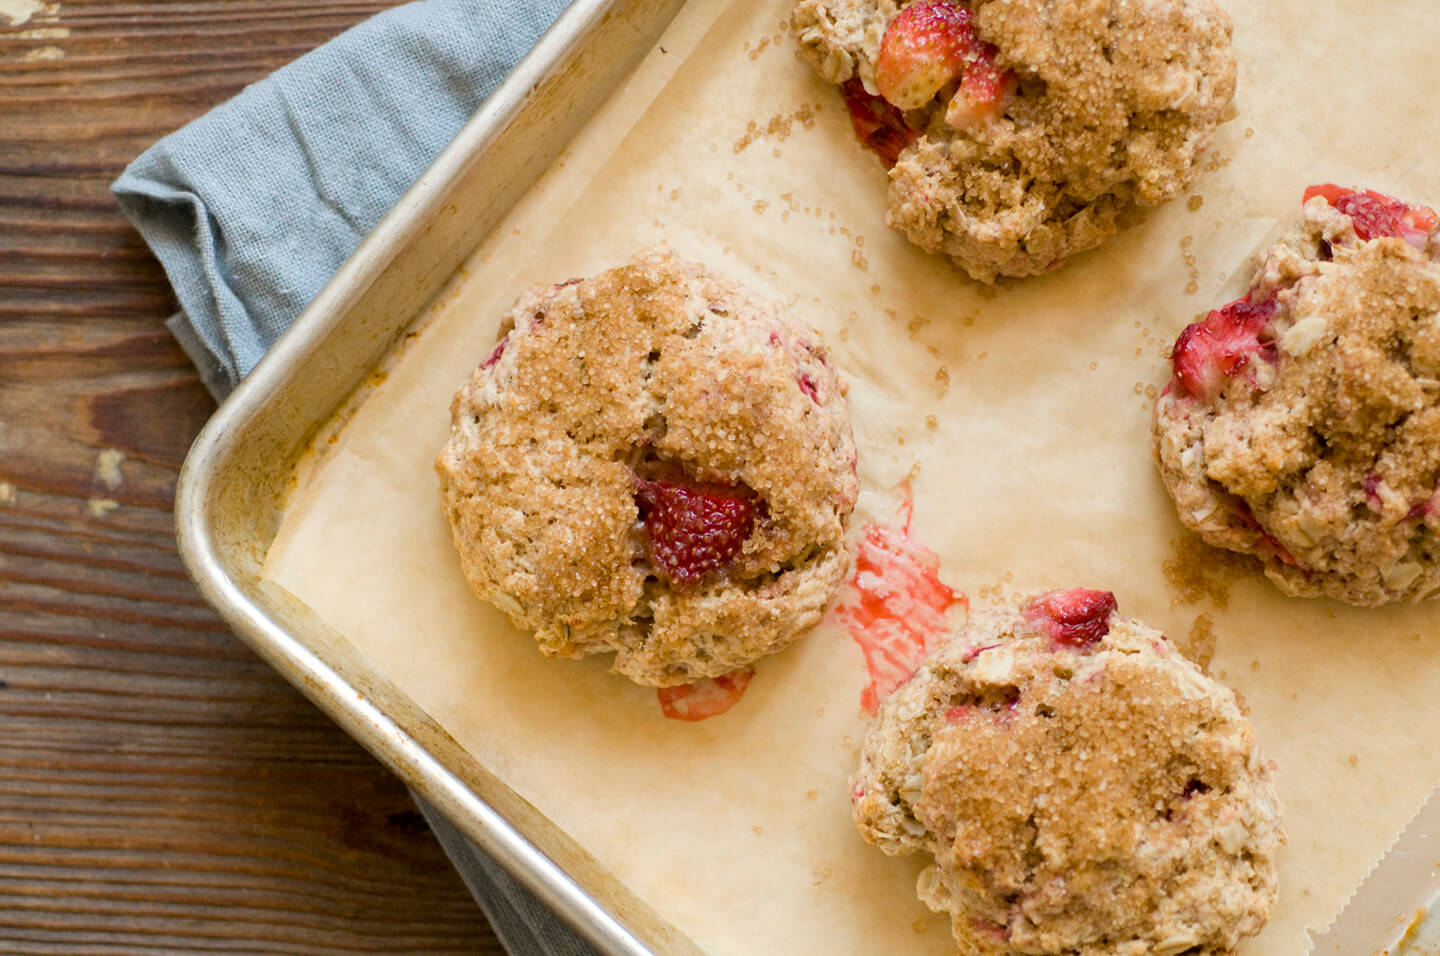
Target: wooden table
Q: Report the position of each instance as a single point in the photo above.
(161, 790)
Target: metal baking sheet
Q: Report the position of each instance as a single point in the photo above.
(358, 331)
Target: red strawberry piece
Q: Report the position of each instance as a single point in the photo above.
(1374, 215)
(495, 354)
(1216, 348)
(1075, 618)
(878, 125)
(1328, 191)
(975, 650)
(694, 527)
(1422, 219)
(928, 45)
(807, 385)
(1372, 492)
(993, 930)
(1268, 542)
(984, 94)
(709, 697)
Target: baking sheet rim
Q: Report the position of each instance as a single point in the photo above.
(248, 613)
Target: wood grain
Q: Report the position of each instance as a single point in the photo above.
(161, 790)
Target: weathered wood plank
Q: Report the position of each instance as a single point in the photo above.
(161, 790)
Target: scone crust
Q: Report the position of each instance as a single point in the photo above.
(656, 364)
(1117, 101)
(1324, 464)
(1082, 802)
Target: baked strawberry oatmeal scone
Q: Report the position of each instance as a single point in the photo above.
(1019, 130)
(653, 462)
(1302, 423)
(1083, 788)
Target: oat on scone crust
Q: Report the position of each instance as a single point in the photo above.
(656, 368)
(1116, 101)
(1321, 455)
(1086, 802)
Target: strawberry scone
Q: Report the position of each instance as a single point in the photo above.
(653, 462)
(1017, 131)
(1302, 423)
(1083, 788)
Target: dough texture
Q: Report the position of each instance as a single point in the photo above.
(603, 390)
(1091, 800)
(1318, 451)
(1114, 101)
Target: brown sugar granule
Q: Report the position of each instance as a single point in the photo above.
(1200, 643)
(1196, 571)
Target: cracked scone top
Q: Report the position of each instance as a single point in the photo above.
(1083, 788)
(1020, 130)
(1302, 423)
(656, 463)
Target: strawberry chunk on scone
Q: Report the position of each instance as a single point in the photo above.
(877, 122)
(932, 43)
(694, 528)
(1081, 786)
(1075, 618)
(1018, 131)
(1217, 348)
(1302, 422)
(1373, 215)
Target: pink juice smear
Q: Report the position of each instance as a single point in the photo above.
(896, 607)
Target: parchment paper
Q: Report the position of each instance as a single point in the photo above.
(1021, 415)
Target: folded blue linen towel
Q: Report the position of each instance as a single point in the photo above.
(253, 206)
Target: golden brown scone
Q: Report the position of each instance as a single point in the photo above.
(1084, 789)
(1302, 424)
(1062, 114)
(653, 462)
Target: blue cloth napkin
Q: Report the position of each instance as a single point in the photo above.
(253, 206)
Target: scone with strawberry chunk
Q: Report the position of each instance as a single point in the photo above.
(1083, 788)
(653, 462)
(1302, 422)
(1018, 131)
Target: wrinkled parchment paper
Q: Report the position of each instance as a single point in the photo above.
(1021, 415)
